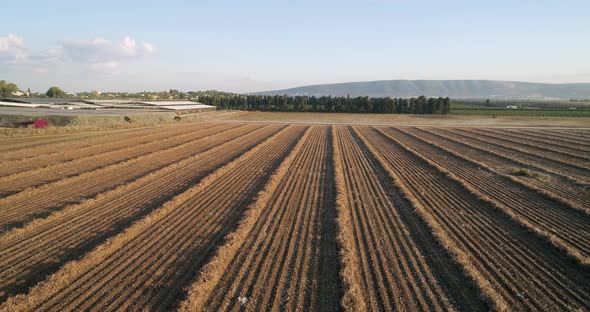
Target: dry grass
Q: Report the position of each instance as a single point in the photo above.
(409, 120)
(511, 257)
(511, 158)
(522, 172)
(462, 257)
(211, 274)
(353, 299)
(73, 269)
(514, 151)
(544, 234)
(515, 174)
(135, 171)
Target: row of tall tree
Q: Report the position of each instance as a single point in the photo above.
(360, 104)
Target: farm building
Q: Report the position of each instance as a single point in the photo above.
(180, 107)
(37, 101)
(59, 103)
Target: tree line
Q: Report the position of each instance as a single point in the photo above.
(10, 89)
(359, 104)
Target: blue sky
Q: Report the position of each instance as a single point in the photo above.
(260, 45)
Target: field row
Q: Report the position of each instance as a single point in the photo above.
(522, 112)
(291, 217)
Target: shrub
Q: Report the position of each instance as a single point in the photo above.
(522, 172)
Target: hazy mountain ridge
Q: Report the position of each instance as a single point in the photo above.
(451, 88)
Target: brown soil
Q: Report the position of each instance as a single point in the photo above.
(254, 215)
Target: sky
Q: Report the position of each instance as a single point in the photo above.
(245, 46)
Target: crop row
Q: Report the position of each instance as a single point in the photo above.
(563, 226)
(568, 142)
(42, 246)
(533, 175)
(32, 177)
(148, 265)
(579, 162)
(501, 256)
(283, 257)
(292, 217)
(567, 170)
(391, 259)
(526, 112)
(576, 151)
(55, 144)
(39, 202)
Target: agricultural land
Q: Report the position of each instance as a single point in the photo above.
(264, 211)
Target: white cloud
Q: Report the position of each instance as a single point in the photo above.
(106, 67)
(98, 54)
(11, 42)
(12, 48)
(101, 54)
(129, 46)
(148, 48)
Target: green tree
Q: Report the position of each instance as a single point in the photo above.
(412, 106)
(446, 108)
(55, 92)
(6, 88)
(430, 106)
(437, 109)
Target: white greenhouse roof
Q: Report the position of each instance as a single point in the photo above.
(12, 104)
(168, 103)
(182, 107)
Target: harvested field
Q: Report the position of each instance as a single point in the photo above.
(535, 176)
(574, 151)
(286, 258)
(272, 216)
(556, 139)
(578, 174)
(27, 178)
(563, 226)
(576, 161)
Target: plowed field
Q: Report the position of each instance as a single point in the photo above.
(275, 217)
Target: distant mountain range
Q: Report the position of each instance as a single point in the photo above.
(450, 88)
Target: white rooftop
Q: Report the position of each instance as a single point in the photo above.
(111, 101)
(3, 103)
(180, 107)
(168, 103)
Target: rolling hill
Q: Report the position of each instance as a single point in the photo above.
(451, 88)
